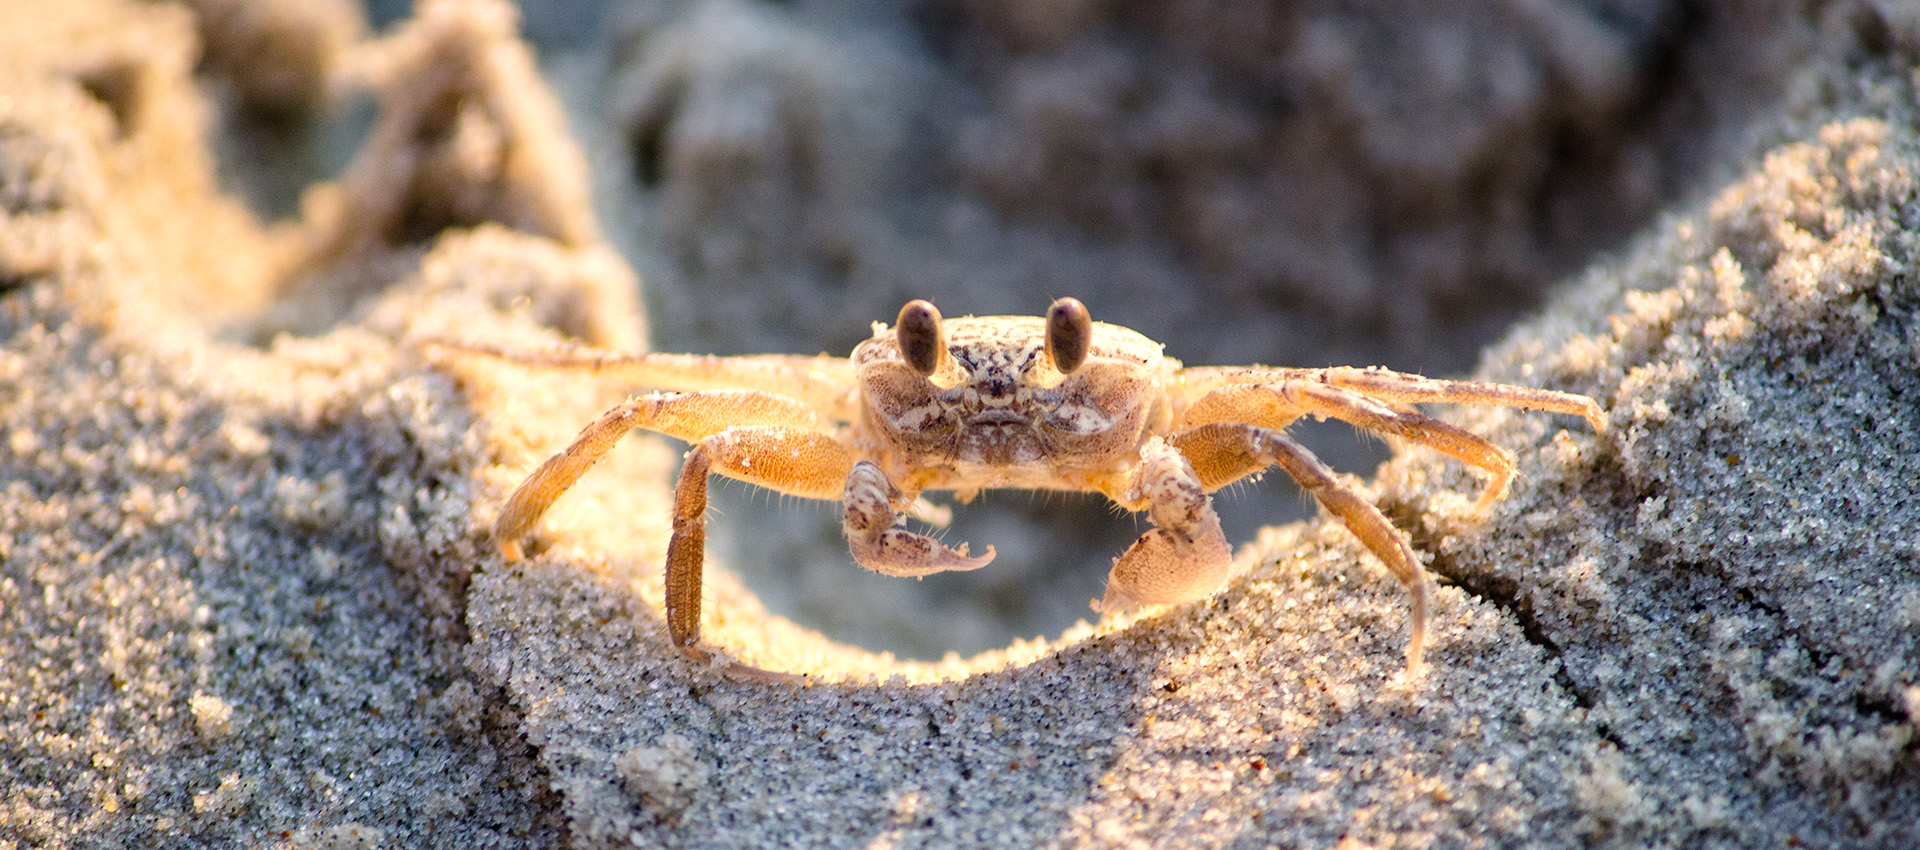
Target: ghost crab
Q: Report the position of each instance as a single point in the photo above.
(961, 405)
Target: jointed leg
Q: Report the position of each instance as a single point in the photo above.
(1415, 389)
(1226, 451)
(1277, 405)
(688, 416)
(820, 382)
(754, 436)
(1185, 556)
(1401, 387)
(790, 460)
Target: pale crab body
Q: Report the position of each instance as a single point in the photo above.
(1054, 403)
(1000, 414)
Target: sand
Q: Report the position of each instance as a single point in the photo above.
(247, 598)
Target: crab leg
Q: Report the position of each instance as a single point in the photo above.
(1414, 389)
(1225, 451)
(794, 461)
(1276, 405)
(687, 416)
(1400, 387)
(821, 383)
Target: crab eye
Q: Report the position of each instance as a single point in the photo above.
(918, 333)
(1069, 334)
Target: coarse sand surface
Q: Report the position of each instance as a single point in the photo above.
(247, 596)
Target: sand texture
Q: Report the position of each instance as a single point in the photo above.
(247, 596)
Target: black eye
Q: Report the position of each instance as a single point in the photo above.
(1069, 334)
(918, 333)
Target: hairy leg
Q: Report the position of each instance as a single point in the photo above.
(790, 460)
(822, 383)
(1229, 450)
(1277, 405)
(1400, 387)
(1416, 389)
(754, 436)
(687, 416)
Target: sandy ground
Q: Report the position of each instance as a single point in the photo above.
(246, 595)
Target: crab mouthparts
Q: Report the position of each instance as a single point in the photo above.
(1000, 416)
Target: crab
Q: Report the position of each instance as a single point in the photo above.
(1059, 402)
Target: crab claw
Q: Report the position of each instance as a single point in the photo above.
(1163, 568)
(1186, 556)
(899, 552)
(867, 518)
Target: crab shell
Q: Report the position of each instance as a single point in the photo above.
(999, 413)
